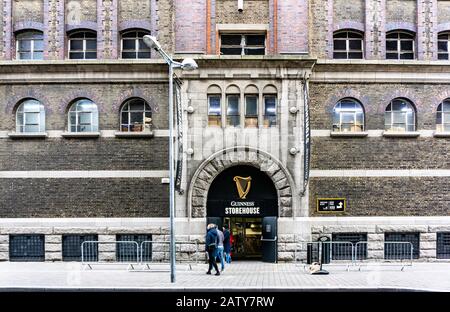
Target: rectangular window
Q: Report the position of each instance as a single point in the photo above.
(72, 244)
(343, 251)
(214, 110)
(127, 252)
(243, 44)
(394, 249)
(233, 114)
(443, 245)
(270, 110)
(24, 247)
(251, 111)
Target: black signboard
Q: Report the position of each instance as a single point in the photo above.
(331, 204)
(242, 191)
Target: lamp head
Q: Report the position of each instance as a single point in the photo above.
(189, 64)
(151, 42)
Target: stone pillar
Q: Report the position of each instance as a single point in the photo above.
(106, 248)
(54, 33)
(375, 34)
(4, 247)
(53, 248)
(107, 35)
(426, 29)
(427, 246)
(375, 246)
(6, 29)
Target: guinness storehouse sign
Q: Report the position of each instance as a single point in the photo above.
(242, 191)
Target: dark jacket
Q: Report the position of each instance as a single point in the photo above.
(211, 238)
(226, 241)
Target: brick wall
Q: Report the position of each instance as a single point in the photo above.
(318, 29)
(134, 10)
(384, 196)
(67, 198)
(379, 153)
(255, 12)
(166, 24)
(94, 154)
(401, 11)
(190, 26)
(292, 26)
(345, 10)
(375, 98)
(443, 11)
(27, 11)
(57, 98)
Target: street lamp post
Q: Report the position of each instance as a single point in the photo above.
(187, 64)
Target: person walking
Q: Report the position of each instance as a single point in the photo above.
(211, 242)
(227, 243)
(219, 252)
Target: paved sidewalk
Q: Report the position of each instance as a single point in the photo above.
(248, 275)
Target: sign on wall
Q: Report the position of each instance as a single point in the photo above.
(331, 204)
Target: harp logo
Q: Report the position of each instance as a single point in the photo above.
(243, 185)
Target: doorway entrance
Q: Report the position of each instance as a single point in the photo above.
(246, 235)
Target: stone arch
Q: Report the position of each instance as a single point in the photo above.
(218, 162)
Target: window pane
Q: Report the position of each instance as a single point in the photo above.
(91, 55)
(336, 118)
(38, 45)
(31, 128)
(392, 35)
(405, 36)
(442, 46)
(355, 55)
(387, 118)
(407, 56)
(347, 105)
(391, 45)
(72, 121)
(32, 118)
(392, 56)
(270, 106)
(255, 40)
(90, 34)
(24, 45)
(129, 55)
(144, 55)
(406, 45)
(360, 118)
(91, 44)
(230, 39)
(233, 105)
(355, 44)
(340, 35)
(136, 105)
(128, 44)
(130, 34)
(443, 56)
(398, 105)
(25, 56)
(230, 51)
(124, 118)
(38, 56)
(398, 117)
(84, 118)
(340, 55)
(136, 117)
(446, 117)
(76, 55)
(19, 120)
(443, 36)
(261, 51)
(76, 45)
(214, 105)
(348, 118)
(251, 103)
(354, 35)
(340, 45)
(445, 106)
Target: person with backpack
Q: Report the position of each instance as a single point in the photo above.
(211, 242)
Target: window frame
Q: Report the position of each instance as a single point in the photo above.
(93, 117)
(248, 117)
(441, 109)
(347, 40)
(32, 50)
(391, 111)
(84, 39)
(237, 116)
(137, 49)
(129, 111)
(398, 40)
(338, 127)
(217, 117)
(243, 44)
(266, 117)
(447, 41)
(40, 113)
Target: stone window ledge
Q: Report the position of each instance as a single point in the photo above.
(349, 134)
(25, 135)
(146, 134)
(407, 134)
(80, 134)
(438, 134)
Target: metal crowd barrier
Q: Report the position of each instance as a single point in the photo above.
(148, 254)
(347, 254)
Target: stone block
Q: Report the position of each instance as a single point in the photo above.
(197, 238)
(349, 229)
(375, 237)
(26, 230)
(439, 228)
(285, 256)
(107, 247)
(316, 229)
(4, 256)
(286, 238)
(4, 248)
(428, 237)
(107, 238)
(401, 228)
(4, 239)
(53, 239)
(52, 247)
(80, 230)
(427, 245)
(375, 254)
(427, 253)
(375, 245)
(53, 256)
(106, 256)
(187, 248)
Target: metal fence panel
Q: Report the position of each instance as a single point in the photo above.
(391, 250)
(125, 252)
(443, 245)
(24, 247)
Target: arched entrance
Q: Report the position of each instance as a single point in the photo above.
(245, 198)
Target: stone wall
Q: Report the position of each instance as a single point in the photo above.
(28, 11)
(345, 10)
(80, 11)
(401, 11)
(318, 28)
(443, 11)
(384, 196)
(132, 10)
(85, 197)
(255, 12)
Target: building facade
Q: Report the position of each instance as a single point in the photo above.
(305, 119)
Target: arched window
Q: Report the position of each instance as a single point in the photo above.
(443, 45)
(30, 45)
(348, 116)
(399, 45)
(400, 116)
(30, 117)
(443, 116)
(347, 45)
(83, 116)
(233, 96)
(133, 46)
(135, 116)
(251, 106)
(270, 106)
(83, 45)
